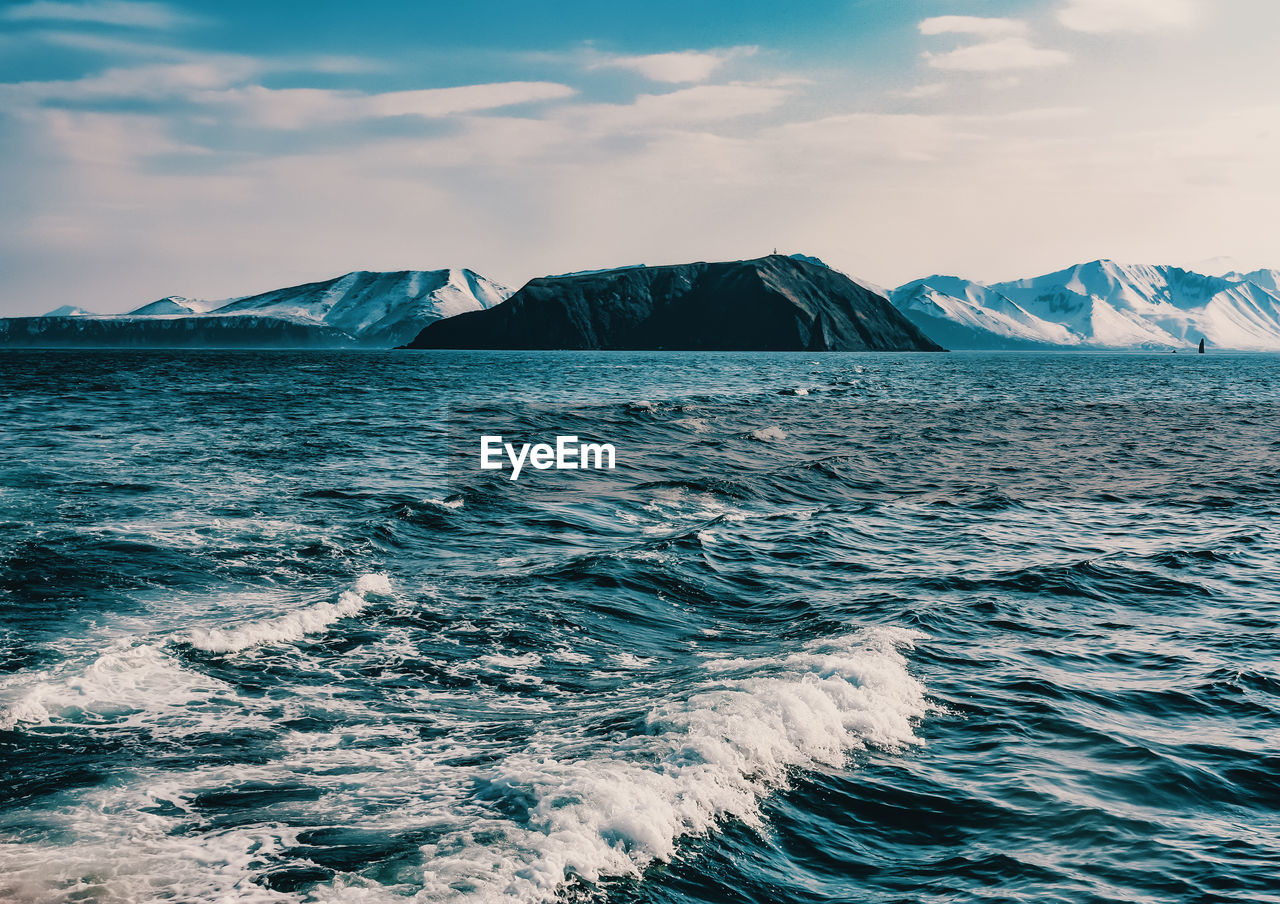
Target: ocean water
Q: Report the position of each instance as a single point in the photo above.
(838, 628)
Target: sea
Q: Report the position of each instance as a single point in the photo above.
(962, 627)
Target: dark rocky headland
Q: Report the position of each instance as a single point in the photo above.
(774, 303)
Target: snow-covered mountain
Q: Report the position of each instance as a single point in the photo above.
(358, 309)
(1099, 304)
(1267, 279)
(173, 306)
(69, 310)
(960, 314)
(384, 309)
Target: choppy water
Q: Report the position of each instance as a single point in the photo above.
(949, 627)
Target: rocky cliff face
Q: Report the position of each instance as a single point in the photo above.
(774, 303)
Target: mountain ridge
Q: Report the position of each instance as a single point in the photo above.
(358, 309)
(777, 303)
(1099, 304)
(1096, 304)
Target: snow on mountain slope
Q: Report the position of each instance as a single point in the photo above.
(1139, 288)
(357, 309)
(1245, 316)
(1103, 304)
(376, 308)
(173, 306)
(976, 310)
(1266, 279)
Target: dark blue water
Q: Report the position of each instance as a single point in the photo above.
(838, 628)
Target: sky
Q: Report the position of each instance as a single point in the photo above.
(222, 149)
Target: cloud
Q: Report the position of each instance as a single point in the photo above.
(716, 102)
(228, 82)
(110, 45)
(101, 12)
(679, 191)
(681, 67)
(972, 25)
(145, 82)
(107, 140)
(693, 106)
(917, 92)
(436, 102)
(682, 170)
(136, 50)
(1103, 16)
(998, 56)
(296, 108)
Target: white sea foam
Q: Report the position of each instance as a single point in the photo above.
(131, 684)
(450, 502)
(673, 507)
(569, 655)
(632, 661)
(584, 805)
(295, 625)
(505, 661)
(704, 759)
(696, 424)
(770, 434)
(160, 864)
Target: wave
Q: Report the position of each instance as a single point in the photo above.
(558, 811)
(1097, 579)
(551, 819)
(216, 866)
(720, 486)
(131, 685)
(311, 619)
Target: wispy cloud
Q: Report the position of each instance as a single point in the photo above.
(681, 67)
(225, 83)
(147, 82)
(127, 13)
(111, 140)
(930, 89)
(146, 49)
(694, 107)
(982, 26)
(1103, 16)
(296, 108)
(998, 56)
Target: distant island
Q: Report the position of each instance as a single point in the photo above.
(774, 303)
(356, 310)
